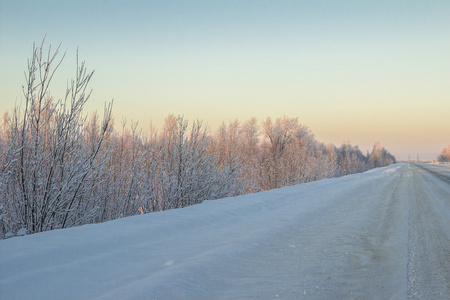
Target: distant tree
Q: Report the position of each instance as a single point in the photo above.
(380, 157)
(444, 156)
(351, 160)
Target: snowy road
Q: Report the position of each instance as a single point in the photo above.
(383, 234)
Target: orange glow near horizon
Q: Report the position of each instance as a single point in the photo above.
(357, 71)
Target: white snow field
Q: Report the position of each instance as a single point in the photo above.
(383, 234)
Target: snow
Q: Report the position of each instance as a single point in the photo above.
(346, 237)
(22, 232)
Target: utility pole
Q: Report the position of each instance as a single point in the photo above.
(417, 157)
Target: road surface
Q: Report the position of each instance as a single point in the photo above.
(383, 234)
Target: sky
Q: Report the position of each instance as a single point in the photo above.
(358, 71)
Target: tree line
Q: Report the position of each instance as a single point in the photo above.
(60, 167)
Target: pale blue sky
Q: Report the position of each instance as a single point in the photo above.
(362, 71)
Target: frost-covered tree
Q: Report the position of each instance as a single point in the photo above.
(8, 153)
(231, 160)
(49, 179)
(444, 156)
(380, 157)
(351, 160)
(250, 154)
(187, 168)
(291, 155)
(123, 194)
(277, 136)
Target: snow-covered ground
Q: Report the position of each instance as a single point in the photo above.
(383, 234)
